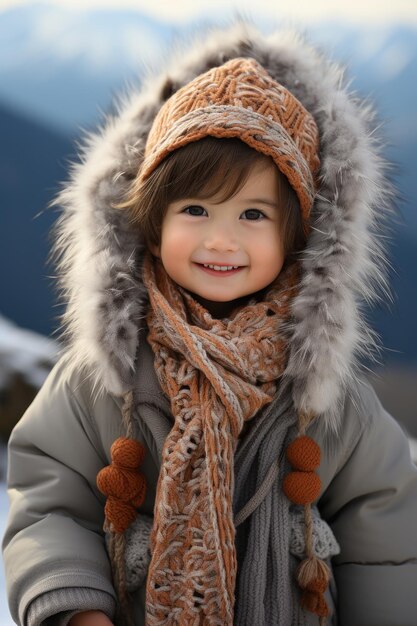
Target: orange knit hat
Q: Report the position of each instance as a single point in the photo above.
(240, 99)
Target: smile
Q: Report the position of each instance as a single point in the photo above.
(224, 270)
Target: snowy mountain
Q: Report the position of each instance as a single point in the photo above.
(26, 358)
(60, 68)
(59, 63)
(33, 159)
(5, 618)
(25, 353)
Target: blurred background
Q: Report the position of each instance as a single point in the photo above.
(62, 63)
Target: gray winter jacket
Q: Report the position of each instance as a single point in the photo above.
(54, 547)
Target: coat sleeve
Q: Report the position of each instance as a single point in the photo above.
(53, 547)
(371, 506)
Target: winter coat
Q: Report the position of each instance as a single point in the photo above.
(54, 546)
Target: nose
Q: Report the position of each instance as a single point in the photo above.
(221, 237)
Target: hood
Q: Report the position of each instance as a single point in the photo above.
(98, 256)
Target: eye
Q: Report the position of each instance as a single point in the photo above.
(254, 214)
(194, 210)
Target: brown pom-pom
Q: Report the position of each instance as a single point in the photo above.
(124, 484)
(315, 603)
(304, 454)
(120, 514)
(302, 487)
(139, 498)
(127, 452)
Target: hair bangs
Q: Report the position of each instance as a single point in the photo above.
(212, 167)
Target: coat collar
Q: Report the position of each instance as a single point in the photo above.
(99, 256)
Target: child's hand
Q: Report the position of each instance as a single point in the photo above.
(90, 618)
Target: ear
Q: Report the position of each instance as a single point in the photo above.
(156, 250)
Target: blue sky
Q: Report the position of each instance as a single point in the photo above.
(303, 11)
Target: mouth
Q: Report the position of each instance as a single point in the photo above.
(219, 270)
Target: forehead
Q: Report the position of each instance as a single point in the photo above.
(262, 182)
(261, 187)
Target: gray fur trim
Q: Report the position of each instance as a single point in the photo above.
(324, 541)
(99, 255)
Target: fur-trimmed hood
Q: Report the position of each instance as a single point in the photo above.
(98, 255)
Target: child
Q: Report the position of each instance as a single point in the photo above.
(206, 450)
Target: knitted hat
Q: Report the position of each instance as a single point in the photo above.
(240, 99)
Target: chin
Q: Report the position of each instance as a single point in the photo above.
(218, 299)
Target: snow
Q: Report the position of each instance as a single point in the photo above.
(26, 353)
(5, 619)
(98, 40)
(394, 59)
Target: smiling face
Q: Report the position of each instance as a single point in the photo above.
(243, 231)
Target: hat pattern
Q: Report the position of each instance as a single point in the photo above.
(240, 99)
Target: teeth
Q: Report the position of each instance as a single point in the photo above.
(222, 268)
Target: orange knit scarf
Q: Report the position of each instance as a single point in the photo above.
(218, 374)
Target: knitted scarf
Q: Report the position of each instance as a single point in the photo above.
(218, 374)
(266, 592)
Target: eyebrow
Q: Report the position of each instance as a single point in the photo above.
(261, 201)
(264, 201)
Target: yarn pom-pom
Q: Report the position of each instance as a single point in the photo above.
(121, 482)
(127, 485)
(120, 514)
(127, 452)
(304, 454)
(302, 487)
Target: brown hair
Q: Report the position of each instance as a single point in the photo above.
(197, 170)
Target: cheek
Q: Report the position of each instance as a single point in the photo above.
(175, 242)
(174, 236)
(176, 248)
(269, 247)
(270, 257)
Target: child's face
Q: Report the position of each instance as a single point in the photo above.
(242, 231)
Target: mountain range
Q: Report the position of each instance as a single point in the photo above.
(60, 70)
